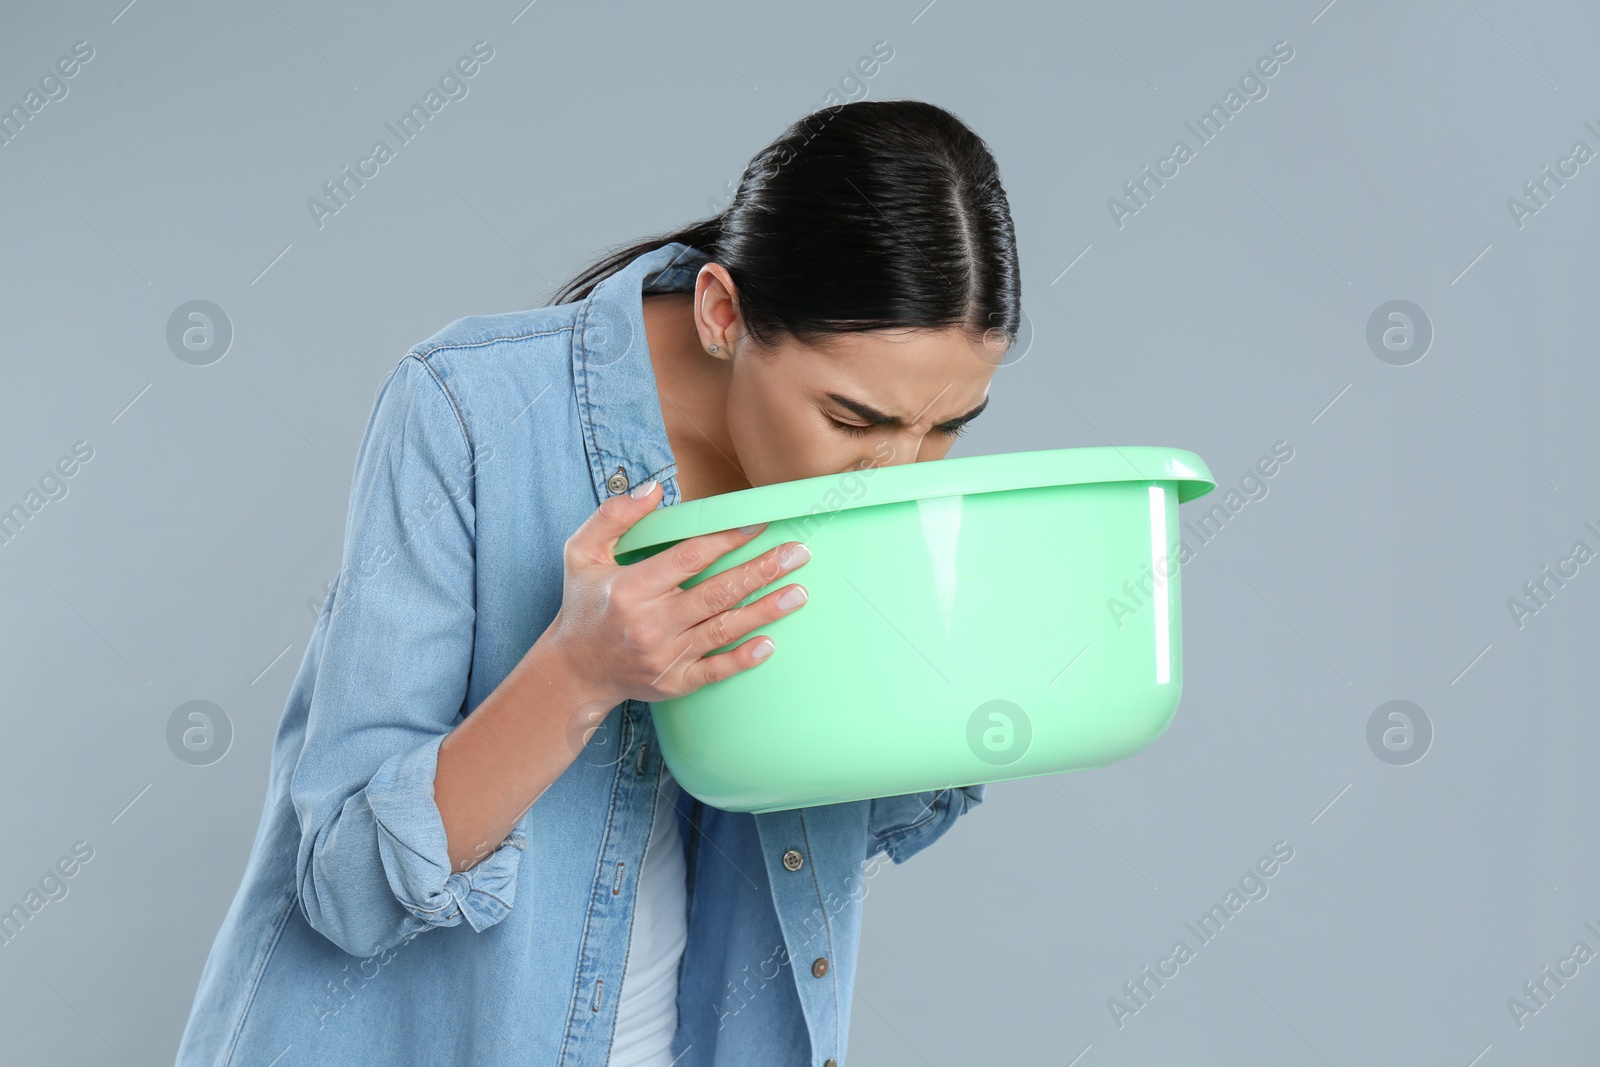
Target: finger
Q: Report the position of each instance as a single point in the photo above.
(724, 591)
(596, 539)
(676, 565)
(727, 627)
(726, 664)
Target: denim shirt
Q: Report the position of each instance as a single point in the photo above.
(350, 938)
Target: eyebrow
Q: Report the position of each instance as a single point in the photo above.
(878, 418)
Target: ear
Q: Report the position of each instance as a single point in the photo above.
(716, 310)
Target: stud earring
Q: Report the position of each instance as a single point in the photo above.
(713, 348)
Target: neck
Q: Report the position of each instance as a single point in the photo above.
(693, 389)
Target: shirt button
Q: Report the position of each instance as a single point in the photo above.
(819, 967)
(792, 860)
(618, 481)
(830, 1063)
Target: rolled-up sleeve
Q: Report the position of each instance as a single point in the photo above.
(390, 682)
(904, 825)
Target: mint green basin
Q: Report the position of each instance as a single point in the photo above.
(970, 620)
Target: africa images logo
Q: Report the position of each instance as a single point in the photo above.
(1253, 86)
(452, 86)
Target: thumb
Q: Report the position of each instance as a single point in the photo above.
(614, 517)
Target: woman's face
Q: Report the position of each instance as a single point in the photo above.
(854, 401)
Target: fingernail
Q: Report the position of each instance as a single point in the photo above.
(792, 598)
(794, 555)
(639, 492)
(762, 649)
(748, 530)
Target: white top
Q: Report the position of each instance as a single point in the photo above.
(647, 1012)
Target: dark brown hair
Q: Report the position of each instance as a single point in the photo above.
(869, 215)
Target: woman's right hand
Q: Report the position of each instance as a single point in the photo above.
(629, 631)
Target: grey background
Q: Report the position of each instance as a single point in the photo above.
(1228, 314)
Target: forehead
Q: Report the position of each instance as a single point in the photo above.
(901, 371)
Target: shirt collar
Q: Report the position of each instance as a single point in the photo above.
(618, 402)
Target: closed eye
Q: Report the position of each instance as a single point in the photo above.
(852, 428)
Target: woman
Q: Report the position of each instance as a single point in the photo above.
(525, 884)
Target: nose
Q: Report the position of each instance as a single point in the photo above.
(887, 454)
